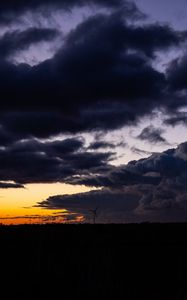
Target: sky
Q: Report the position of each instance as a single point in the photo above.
(93, 111)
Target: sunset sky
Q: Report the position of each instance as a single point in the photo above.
(93, 111)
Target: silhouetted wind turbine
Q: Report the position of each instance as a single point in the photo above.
(94, 214)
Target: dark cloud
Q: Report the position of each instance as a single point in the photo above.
(46, 124)
(103, 72)
(86, 71)
(16, 40)
(6, 137)
(178, 118)
(177, 74)
(152, 188)
(34, 161)
(152, 135)
(9, 185)
(54, 148)
(177, 85)
(140, 151)
(20, 5)
(107, 28)
(14, 9)
(68, 161)
(101, 145)
(83, 203)
(115, 177)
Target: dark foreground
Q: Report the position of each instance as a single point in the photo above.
(145, 261)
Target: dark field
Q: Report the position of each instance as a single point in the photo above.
(145, 261)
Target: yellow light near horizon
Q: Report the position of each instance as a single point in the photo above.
(20, 202)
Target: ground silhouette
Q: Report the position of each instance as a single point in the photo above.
(135, 261)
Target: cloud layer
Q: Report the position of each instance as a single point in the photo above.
(36, 162)
(15, 41)
(103, 70)
(10, 11)
(102, 74)
(151, 189)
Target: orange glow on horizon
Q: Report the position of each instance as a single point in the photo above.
(16, 205)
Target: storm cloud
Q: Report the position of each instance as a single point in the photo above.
(16, 40)
(9, 12)
(152, 135)
(33, 161)
(153, 188)
(103, 70)
(177, 71)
